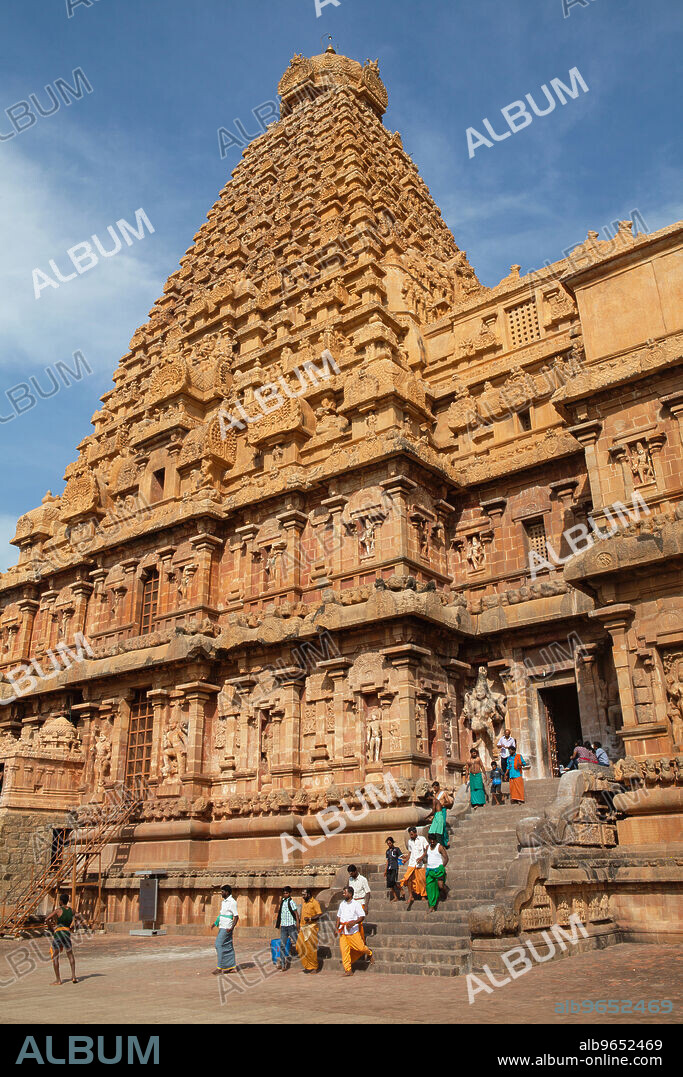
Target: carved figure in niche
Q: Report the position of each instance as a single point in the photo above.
(443, 711)
(674, 691)
(476, 554)
(642, 467)
(481, 709)
(420, 724)
(185, 579)
(174, 750)
(271, 564)
(367, 537)
(102, 752)
(394, 737)
(278, 455)
(373, 739)
(266, 742)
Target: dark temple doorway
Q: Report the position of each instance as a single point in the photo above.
(563, 723)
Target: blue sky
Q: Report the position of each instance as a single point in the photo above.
(166, 74)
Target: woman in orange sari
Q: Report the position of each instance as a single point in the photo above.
(515, 767)
(307, 940)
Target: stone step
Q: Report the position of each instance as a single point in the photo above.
(444, 960)
(418, 916)
(399, 967)
(419, 932)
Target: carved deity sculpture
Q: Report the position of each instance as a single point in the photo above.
(674, 691)
(102, 752)
(373, 740)
(481, 709)
(642, 467)
(476, 555)
(174, 750)
(367, 538)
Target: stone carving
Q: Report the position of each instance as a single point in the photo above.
(476, 553)
(81, 494)
(169, 377)
(174, 750)
(673, 670)
(102, 760)
(373, 739)
(366, 537)
(640, 462)
(59, 733)
(482, 710)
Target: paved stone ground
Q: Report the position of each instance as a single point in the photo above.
(166, 979)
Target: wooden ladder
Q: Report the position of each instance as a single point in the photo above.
(107, 827)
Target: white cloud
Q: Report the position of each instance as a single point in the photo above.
(46, 209)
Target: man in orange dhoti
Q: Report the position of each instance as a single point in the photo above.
(414, 878)
(350, 915)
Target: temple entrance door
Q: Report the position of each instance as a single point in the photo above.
(563, 723)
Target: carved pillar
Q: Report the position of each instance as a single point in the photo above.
(458, 672)
(85, 714)
(207, 547)
(242, 576)
(167, 602)
(28, 608)
(118, 712)
(196, 694)
(81, 590)
(399, 488)
(246, 767)
(335, 505)
(587, 434)
(50, 620)
(128, 605)
(293, 523)
(286, 768)
(159, 698)
(342, 742)
(617, 620)
(413, 756)
(98, 606)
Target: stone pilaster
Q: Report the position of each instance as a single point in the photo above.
(196, 695)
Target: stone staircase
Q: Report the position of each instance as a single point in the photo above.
(482, 845)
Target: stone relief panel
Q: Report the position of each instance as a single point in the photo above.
(673, 673)
(363, 517)
(483, 714)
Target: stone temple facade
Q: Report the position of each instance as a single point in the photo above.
(346, 512)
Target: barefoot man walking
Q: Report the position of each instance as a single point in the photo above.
(59, 923)
(350, 915)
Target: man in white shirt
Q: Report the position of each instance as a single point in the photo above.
(414, 877)
(361, 890)
(508, 746)
(350, 916)
(226, 922)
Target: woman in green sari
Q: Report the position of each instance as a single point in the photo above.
(476, 780)
(441, 802)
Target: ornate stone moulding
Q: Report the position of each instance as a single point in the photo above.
(329, 71)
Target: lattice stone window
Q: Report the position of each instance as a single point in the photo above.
(535, 535)
(150, 599)
(523, 323)
(140, 730)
